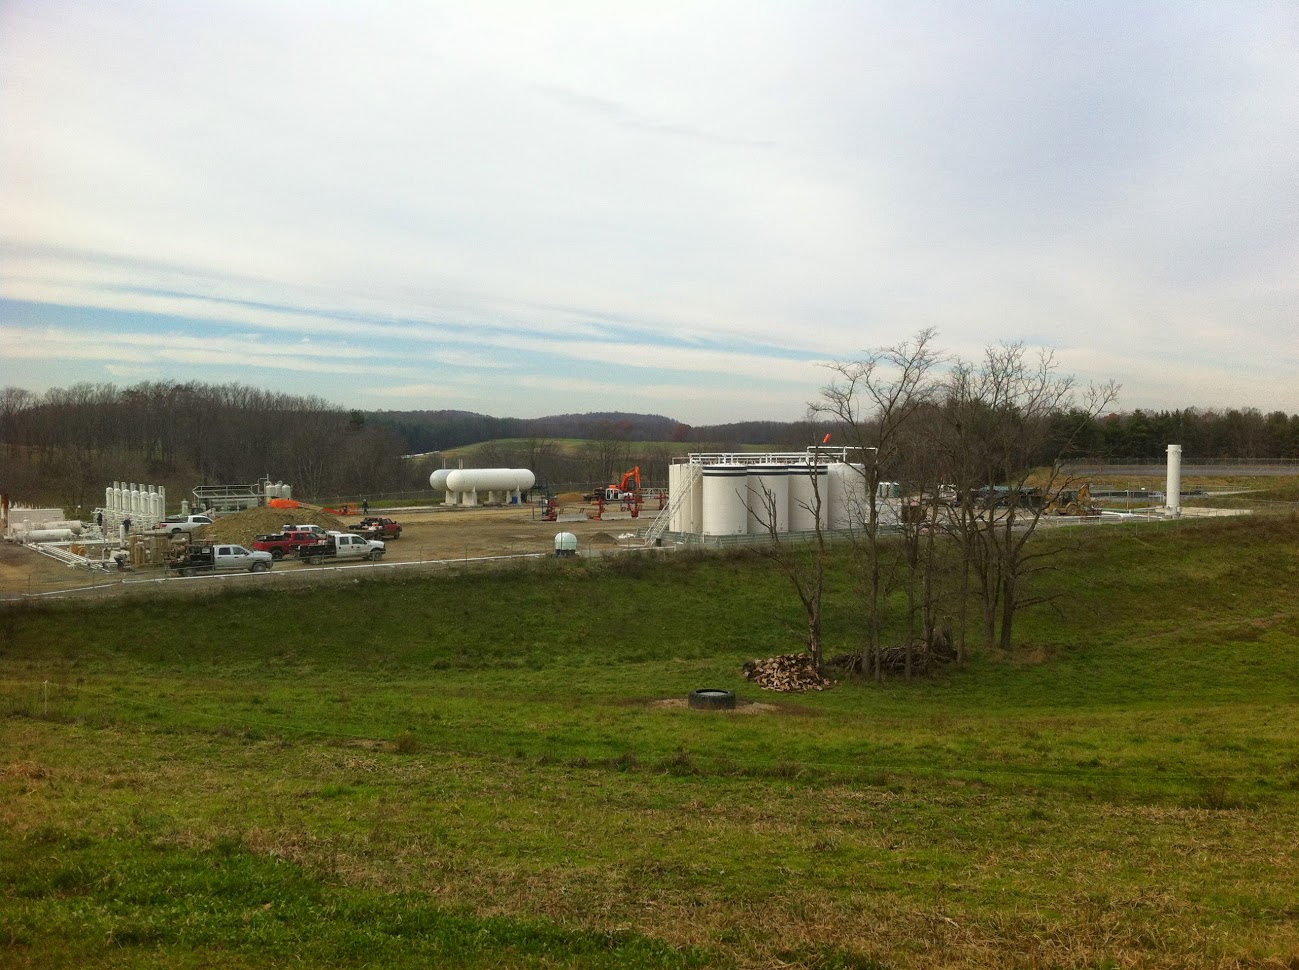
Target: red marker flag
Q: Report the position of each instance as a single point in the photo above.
(826, 439)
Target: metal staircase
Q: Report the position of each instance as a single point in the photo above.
(664, 518)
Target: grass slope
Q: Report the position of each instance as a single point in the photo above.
(473, 771)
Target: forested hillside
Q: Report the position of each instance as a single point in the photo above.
(66, 444)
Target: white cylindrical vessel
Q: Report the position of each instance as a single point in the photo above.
(848, 505)
(489, 480)
(72, 525)
(1173, 490)
(694, 523)
(768, 498)
(808, 496)
(676, 479)
(725, 500)
(44, 535)
(438, 482)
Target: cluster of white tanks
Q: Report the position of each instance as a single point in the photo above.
(482, 486)
(144, 505)
(737, 494)
(39, 525)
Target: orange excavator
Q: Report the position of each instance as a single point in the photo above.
(623, 491)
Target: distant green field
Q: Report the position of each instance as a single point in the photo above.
(572, 447)
(496, 770)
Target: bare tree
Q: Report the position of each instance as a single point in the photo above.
(803, 561)
(871, 402)
(1005, 449)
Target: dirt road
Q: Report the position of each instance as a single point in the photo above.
(435, 534)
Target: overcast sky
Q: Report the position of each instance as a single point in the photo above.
(683, 208)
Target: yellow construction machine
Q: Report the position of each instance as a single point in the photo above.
(1072, 501)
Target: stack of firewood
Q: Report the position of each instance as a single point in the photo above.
(790, 673)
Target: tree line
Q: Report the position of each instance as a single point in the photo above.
(67, 444)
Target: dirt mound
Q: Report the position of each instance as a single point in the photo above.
(243, 527)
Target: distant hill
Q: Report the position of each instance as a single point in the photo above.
(440, 430)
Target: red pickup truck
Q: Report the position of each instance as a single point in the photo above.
(377, 527)
(290, 543)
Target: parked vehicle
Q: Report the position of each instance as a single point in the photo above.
(311, 527)
(377, 527)
(290, 542)
(218, 558)
(344, 545)
(177, 524)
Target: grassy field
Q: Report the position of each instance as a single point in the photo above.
(491, 770)
(572, 447)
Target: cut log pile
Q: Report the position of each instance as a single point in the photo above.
(790, 673)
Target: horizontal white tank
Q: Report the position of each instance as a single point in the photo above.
(72, 525)
(808, 497)
(725, 500)
(490, 480)
(44, 535)
(768, 498)
(438, 480)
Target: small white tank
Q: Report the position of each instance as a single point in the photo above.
(565, 544)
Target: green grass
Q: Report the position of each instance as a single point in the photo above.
(575, 447)
(473, 770)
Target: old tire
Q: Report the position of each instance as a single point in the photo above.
(187, 571)
(261, 567)
(315, 560)
(376, 555)
(277, 554)
(712, 699)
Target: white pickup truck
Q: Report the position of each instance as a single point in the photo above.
(343, 545)
(177, 524)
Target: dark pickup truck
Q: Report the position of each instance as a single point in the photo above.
(289, 543)
(377, 527)
(208, 559)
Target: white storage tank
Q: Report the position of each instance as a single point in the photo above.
(44, 535)
(565, 544)
(438, 482)
(72, 525)
(725, 500)
(498, 483)
(848, 505)
(768, 498)
(806, 489)
(694, 524)
(676, 480)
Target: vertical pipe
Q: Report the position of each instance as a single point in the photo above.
(1173, 490)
